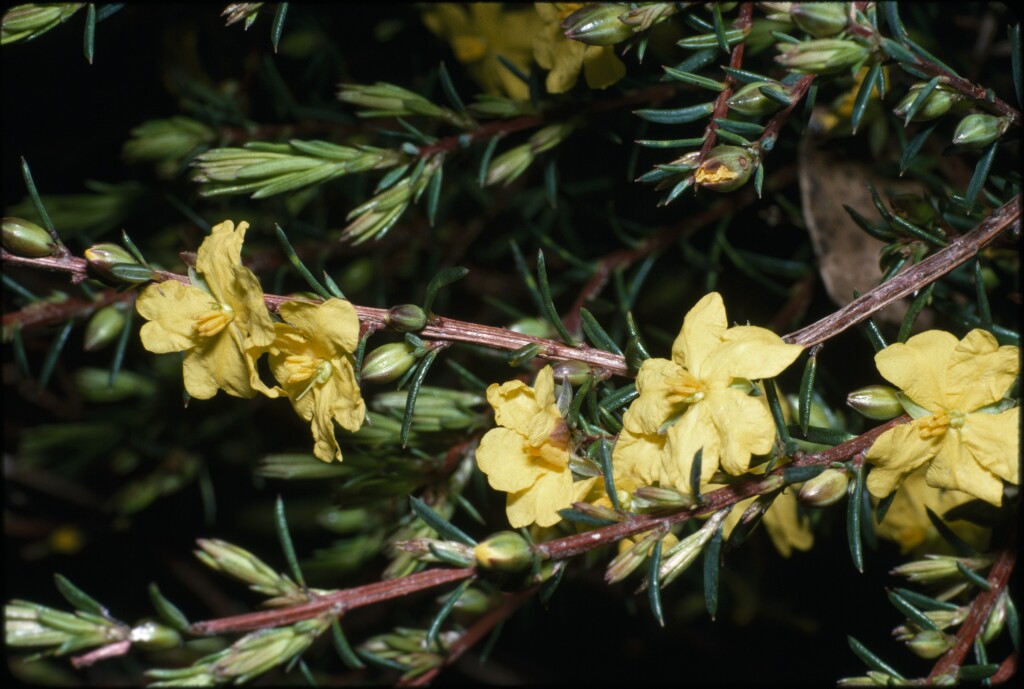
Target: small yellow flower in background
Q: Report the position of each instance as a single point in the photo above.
(219, 323)
(951, 383)
(565, 57)
(312, 360)
(689, 402)
(528, 455)
(906, 521)
(782, 521)
(479, 33)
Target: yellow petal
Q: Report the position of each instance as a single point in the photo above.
(745, 427)
(695, 430)
(544, 388)
(338, 397)
(956, 469)
(219, 252)
(980, 371)
(993, 441)
(748, 352)
(919, 367)
(566, 62)
(652, 408)
(333, 324)
(219, 362)
(602, 67)
(508, 468)
(540, 502)
(897, 453)
(701, 333)
(785, 527)
(171, 309)
(514, 405)
(636, 460)
(325, 443)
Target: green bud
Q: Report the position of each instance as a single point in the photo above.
(938, 567)
(406, 318)
(821, 56)
(345, 521)
(25, 22)
(94, 385)
(936, 105)
(877, 402)
(105, 262)
(751, 102)
(683, 554)
(509, 165)
(820, 19)
(103, 328)
(388, 362)
(653, 499)
(534, 327)
(505, 551)
(597, 24)
(473, 601)
(387, 99)
(996, 620)
(726, 168)
(437, 550)
(167, 140)
(827, 488)
(24, 238)
(153, 636)
(930, 643)
(978, 130)
(575, 372)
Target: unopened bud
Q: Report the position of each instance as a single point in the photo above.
(24, 238)
(25, 22)
(930, 643)
(654, 498)
(877, 402)
(103, 328)
(750, 101)
(820, 19)
(827, 488)
(935, 105)
(821, 56)
(996, 620)
(473, 601)
(509, 165)
(575, 372)
(406, 318)
(388, 362)
(112, 264)
(505, 551)
(726, 168)
(684, 553)
(597, 24)
(153, 636)
(978, 130)
(938, 567)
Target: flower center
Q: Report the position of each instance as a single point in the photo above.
(469, 49)
(302, 367)
(212, 322)
(685, 388)
(935, 426)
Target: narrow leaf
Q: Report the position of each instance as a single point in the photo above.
(444, 528)
(597, 335)
(712, 564)
(981, 171)
(414, 391)
(434, 195)
(870, 659)
(442, 279)
(914, 146)
(442, 614)
(167, 610)
(860, 103)
(121, 347)
(78, 598)
(853, 530)
(281, 523)
(293, 258)
(806, 390)
(677, 115)
(89, 39)
(653, 583)
(913, 311)
(606, 469)
(962, 548)
(53, 354)
(919, 100)
(695, 470)
(772, 395)
(278, 25)
(30, 185)
(913, 614)
(549, 305)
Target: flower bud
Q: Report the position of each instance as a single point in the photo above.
(726, 168)
(24, 238)
(978, 131)
(936, 105)
(821, 56)
(575, 372)
(996, 620)
(505, 551)
(406, 318)
(388, 362)
(820, 19)
(653, 498)
(113, 265)
(684, 553)
(827, 488)
(25, 22)
(153, 636)
(751, 102)
(597, 24)
(509, 165)
(938, 567)
(930, 643)
(877, 402)
(103, 328)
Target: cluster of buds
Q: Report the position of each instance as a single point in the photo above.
(408, 649)
(167, 142)
(244, 566)
(436, 409)
(936, 104)
(237, 11)
(940, 567)
(822, 56)
(387, 100)
(375, 217)
(507, 167)
(633, 552)
(679, 558)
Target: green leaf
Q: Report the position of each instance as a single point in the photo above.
(89, 39)
(914, 146)
(278, 25)
(597, 335)
(293, 258)
(414, 390)
(915, 308)
(807, 390)
(576, 516)
(744, 76)
(551, 182)
(920, 99)
(695, 471)
(1013, 623)
(53, 354)
(30, 185)
(442, 614)
(549, 305)
(285, 538)
(738, 127)
(801, 474)
(962, 548)
(870, 659)
(670, 143)
(442, 279)
(853, 513)
(677, 115)
(973, 577)
(860, 103)
(167, 610)
(772, 395)
(981, 171)
(976, 673)
(606, 469)
(342, 647)
(984, 310)
(20, 358)
(653, 583)
(1015, 60)
(449, 89)
(485, 161)
(923, 602)
(723, 42)
(913, 614)
(121, 347)
(695, 79)
(712, 564)
(434, 195)
(78, 598)
(444, 528)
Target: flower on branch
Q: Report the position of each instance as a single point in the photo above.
(954, 391)
(311, 358)
(219, 321)
(528, 455)
(565, 58)
(700, 399)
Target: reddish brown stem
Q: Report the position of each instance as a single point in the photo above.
(735, 62)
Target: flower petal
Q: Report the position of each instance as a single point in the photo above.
(602, 67)
(219, 362)
(744, 425)
(749, 352)
(338, 397)
(897, 453)
(325, 443)
(955, 468)
(171, 309)
(980, 371)
(652, 408)
(993, 441)
(540, 502)
(514, 405)
(785, 527)
(636, 460)
(919, 367)
(507, 466)
(331, 326)
(695, 430)
(701, 333)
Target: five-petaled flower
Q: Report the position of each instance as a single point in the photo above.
(528, 455)
(220, 321)
(312, 360)
(699, 399)
(953, 390)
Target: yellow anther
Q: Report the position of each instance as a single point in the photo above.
(212, 322)
(934, 426)
(686, 389)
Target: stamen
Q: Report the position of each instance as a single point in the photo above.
(212, 322)
(934, 426)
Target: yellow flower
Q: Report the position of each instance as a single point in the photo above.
(479, 33)
(219, 323)
(689, 402)
(782, 521)
(949, 384)
(528, 455)
(312, 360)
(565, 57)
(906, 521)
